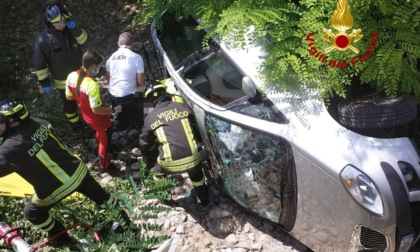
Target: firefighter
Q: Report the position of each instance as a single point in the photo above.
(58, 51)
(169, 137)
(29, 148)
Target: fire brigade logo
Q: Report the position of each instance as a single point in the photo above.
(342, 21)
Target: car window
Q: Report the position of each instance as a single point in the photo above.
(214, 77)
(264, 110)
(255, 168)
(179, 38)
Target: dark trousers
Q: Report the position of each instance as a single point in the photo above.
(69, 108)
(40, 216)
(132, 111)
(149, 158)
(197, 178)
(196, 173)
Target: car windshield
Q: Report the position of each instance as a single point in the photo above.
(180, 38)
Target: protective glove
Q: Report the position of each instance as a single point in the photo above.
(71, 24)
(117, 109)
(47, 90)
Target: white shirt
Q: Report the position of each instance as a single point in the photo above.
(123, 67)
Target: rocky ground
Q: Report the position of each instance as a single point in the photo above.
(222, 225)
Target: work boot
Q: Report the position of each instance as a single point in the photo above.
(63, 239)
(202, 194)
(117, 228)
(111, 170)
(120, 228)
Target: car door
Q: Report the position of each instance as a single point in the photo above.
(249, 158)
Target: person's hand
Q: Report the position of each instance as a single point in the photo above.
(71, 24)
(47, 90)
(117, 109)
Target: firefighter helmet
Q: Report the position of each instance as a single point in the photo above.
(55, 11)
(53, 14)
(154, 92)
(13, 110)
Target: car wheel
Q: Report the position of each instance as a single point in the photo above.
(369, 112)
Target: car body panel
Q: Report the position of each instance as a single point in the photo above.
(316, 215)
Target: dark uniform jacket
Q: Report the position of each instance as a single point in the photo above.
(58, 52)
(168, 127)
(33, 152)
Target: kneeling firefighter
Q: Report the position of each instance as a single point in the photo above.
(169, 137)
(29, 148)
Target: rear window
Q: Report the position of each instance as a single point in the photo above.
(179, 38)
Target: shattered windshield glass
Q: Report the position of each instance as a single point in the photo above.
(254, 167)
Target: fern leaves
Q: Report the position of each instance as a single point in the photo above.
(393, 68)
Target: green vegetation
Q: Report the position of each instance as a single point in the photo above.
(74, 210)
(12, 75)
(389, 48)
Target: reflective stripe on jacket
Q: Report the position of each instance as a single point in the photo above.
(89, 97)
(58, 52)
(33, 152)
(169, 124)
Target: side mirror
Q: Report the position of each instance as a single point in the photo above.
(248, 86)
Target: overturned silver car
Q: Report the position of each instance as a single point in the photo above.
(285, 156)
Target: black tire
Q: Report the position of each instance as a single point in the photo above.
(377, 113)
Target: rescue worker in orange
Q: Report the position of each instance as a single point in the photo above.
(82, 88)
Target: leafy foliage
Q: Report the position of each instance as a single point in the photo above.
(390, 65)
(11, 77)
(48, 107)
(130, 196)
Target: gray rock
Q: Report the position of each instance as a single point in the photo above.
(217, 213)
(124, 155)
(231, 239)
(180, 229)
(135, 166)
(136, 152)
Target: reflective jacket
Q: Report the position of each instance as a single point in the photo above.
(33, 152)
(169, 125)
(58, 52)
(90, 97)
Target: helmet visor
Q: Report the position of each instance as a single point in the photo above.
(60, 19)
